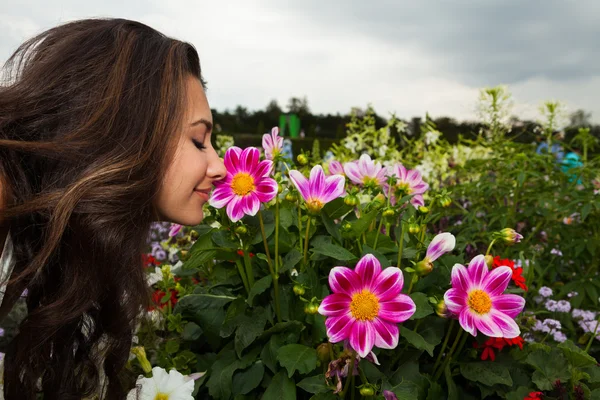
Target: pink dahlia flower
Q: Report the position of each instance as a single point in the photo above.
(477, 298)
(174, 230)
(246, 185)
(319, 189)
(272, 144)
(408, 181)
(336, 168)
(365, 172)
(366, 306)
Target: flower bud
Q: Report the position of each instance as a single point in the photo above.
(299, 290)
(324, 352)
(489, 261)
(445, 201)
(424, 267)
(510, 236)
(279, 188)
(389, 213)
(194, 235)
(378, 201)
(311, 308)
(302, 159)
(241, 230)
(414, 228)
(367, 391)
(291, 197)
(351, 200)
(423, 210)
(140, 354)
(441, 310)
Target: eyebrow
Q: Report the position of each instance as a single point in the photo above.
(207, 123)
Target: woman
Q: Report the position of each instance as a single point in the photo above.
(104, 128)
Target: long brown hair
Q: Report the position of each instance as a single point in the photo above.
(88, 115)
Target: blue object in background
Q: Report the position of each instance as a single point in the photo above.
(556, 149)
(571, 160)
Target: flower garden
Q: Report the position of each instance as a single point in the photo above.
(431, 271)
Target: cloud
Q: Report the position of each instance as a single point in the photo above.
(403, 57)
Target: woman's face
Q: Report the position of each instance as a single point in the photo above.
(189, 179)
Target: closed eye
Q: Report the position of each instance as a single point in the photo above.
(199, 145)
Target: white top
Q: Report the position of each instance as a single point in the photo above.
(6, 265)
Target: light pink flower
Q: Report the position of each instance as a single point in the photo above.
(246, 185)
(272, 144)
(336, 168)
(319, 189)
(440, 245)
(174, 230)
(366, 306)
(408, 182)
(477, 298)
(365, 171)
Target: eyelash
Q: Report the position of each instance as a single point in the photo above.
(199, 145)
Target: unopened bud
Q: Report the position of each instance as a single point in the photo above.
(291, 197)
(445, 201)
(347, 227)
(324, 352)
(311, 308)
(441, 310)
(367, 391)
(414, 228)
(140, 354)
(194, 235)
(489, 261)
(279, 188)
(299, 290)
(424, 267)
(423, 209)
(389, 213)
(379, 201)
(302, 159)
(184, 254)
(510, 236)
(351, 200)
(241, 230)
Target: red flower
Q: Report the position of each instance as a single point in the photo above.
(534, 396)
(158, 295)
(497, 344)
(517, 273)
(148, 260)
(241, 253)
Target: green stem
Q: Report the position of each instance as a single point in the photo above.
(264, 235)
(277, 235)
(249, 272)
(348, 378)
(306, 241)
(242, 275)
(413, 279)
(300, 228)
(450, 354)
(490, 247)
(589, 344)
(439, 357)
(377, 233)
(401, 243)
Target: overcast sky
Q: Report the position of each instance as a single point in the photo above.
(407, 57)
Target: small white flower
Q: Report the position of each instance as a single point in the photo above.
(545, 291)
(163, 386)
(154, 277)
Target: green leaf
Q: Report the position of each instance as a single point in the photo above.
(452, 390)
(334, 251)
(206, 310)
(286, 218)
(314, 384)
(423, 306)
(576, 356)
(172, 346)
(324, 396)
(250, 328)
(519, 394)
(595, 395)
(549, 367)
(406, 390)
(331, 227)
(362, 224)
(191, 331)
(436, 392)
(297, 357)
(487, 373)
(247, 380)
(417, 340)
(290, 260)
(201, 252)
(222, 238)
(259, 286)
(234, 315)
(337, 208)
(594, 373)
(219, 383)
(281, 388)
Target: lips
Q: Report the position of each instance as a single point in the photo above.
(203, 193)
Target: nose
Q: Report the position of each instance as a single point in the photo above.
(216, 169)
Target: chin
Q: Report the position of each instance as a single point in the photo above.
(188, 219)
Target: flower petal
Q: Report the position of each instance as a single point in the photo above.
(235, 211)
(368, 269)
(397, 310)
(301, 184)
(336, 168)
(362, 337)
(467, 321)
(456, 300)
(509, 304)
(388, 284)
(460, 278)
(497, 280)
(353, 172)
(477, 270)
(335, 305)
(488, 326)
(334, 188)
(250, 204)
(317, 180)
(221, 196)
(266, 190)
(507, 325)
(386, 334)
(339, 327)
(249, 159)
(441, 244)
(344, 280)
(263, 169)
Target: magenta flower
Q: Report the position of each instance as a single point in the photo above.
(319, 189)
(174, 230)
(365, 172)
(336, 168)
(440, 245)
(408, 181)
(272, 144)
(246, 185)
(477, 298)
(366, 306)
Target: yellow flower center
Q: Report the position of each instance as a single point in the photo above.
(242, 184)
(314, 205)
(161, 396)
(370, 181)
(403, 189)
(480, 302)
(364, 306)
